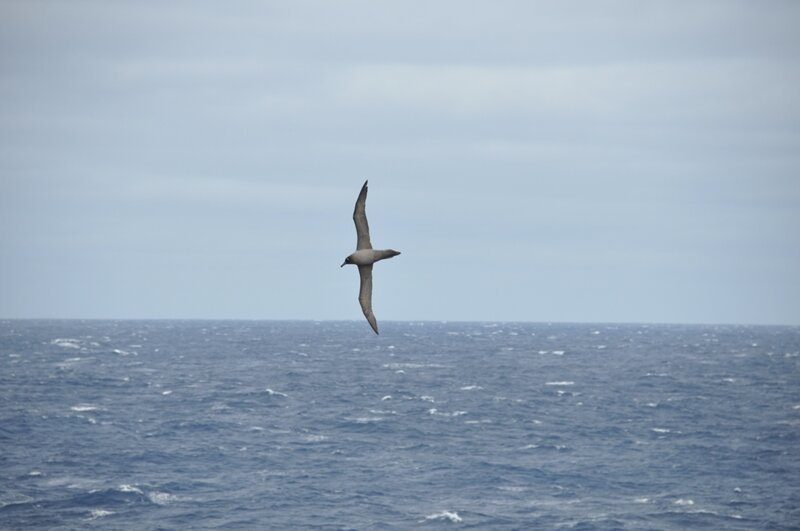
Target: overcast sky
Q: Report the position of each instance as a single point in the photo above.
(563, 161)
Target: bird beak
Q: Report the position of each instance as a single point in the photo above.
(343, 264)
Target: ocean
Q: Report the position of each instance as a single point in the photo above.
(300, 425)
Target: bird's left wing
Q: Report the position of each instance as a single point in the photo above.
(365, 295)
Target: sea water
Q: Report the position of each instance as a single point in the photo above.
(293, 425)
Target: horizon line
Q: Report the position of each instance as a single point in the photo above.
(439, 321)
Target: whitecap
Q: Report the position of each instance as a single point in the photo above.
(412, 366)
(84, 407)
(434, 411)
(161, 498)
(129, 488)
(660, 430)
(385, 398)
(558, 352)
(684, 501)
(641, 500)
(445, 515)
(427, 398)
(512, 488)
(270, 392)
(166, 393)
(565, 382)
(99, 513)
(66, 342)
(471, 387)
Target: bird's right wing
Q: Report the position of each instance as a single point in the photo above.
(365, 295)
(360, 219)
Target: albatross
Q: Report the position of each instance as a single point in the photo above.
(365, 256)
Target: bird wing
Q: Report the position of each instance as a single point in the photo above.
(360, 219)
(365, 295)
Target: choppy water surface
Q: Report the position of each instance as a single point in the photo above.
(167, 424)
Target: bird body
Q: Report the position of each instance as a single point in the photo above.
(365, 256)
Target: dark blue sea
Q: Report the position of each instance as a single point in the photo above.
(294, 425)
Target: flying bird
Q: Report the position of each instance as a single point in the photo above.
(365, 256)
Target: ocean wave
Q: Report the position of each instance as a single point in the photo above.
(64, 342)
(450, 516)
(84, 407)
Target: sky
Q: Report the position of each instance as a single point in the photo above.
(603, 161)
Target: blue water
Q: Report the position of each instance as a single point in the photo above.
(291, 425)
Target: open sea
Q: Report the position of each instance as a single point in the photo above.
(296, 425)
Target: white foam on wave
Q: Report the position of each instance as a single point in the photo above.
(413, 366)
(84, 407)
(434, 411)
(366, 420)
(471, 387)
(99, 513)
(643, 499)
(66, 342)
(385, 398)
(383, 412)
(130, 488)
(162, 498)
(561, 383)
(684, 501)
(512, 488)
(660, 430)
(270, 392)
(452, 516)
